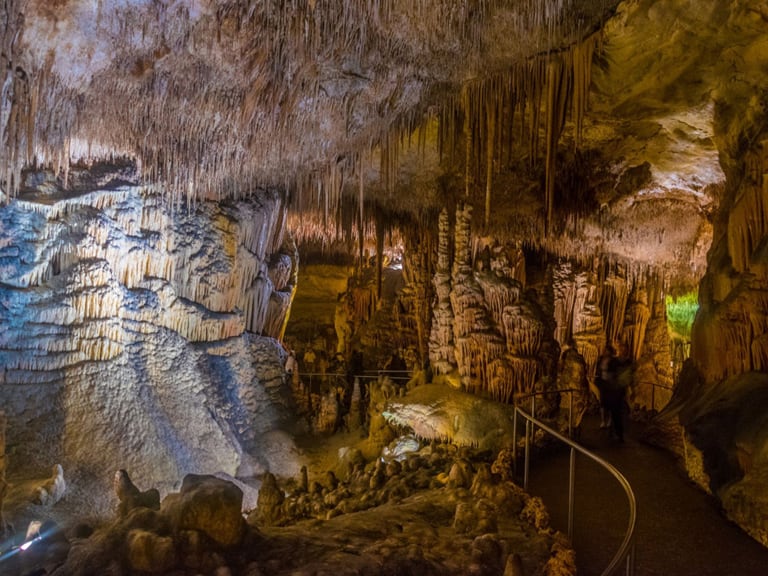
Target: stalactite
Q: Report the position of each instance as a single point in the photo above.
(268, 96)
(465, 99)
(582, 55)
(614, 296)
(638, 315)
(491, 140)
(748, 223)
(558, 88)
(361, 219)
(564, 291)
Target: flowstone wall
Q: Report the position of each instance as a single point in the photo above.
(140, 335)
(724, 389)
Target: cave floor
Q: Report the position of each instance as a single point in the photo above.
(680, 529)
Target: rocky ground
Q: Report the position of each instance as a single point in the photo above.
(420, 509)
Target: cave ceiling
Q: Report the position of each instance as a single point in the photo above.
(323, 98)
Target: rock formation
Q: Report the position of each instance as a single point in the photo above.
(136, 333)
(723, 387)
(3, 482)
(52, 490)
(435, 412)
(131, 497)
(587, 159)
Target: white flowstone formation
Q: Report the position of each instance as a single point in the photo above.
(142, 336)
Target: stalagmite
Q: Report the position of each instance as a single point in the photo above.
(490, 141)
(613, 303)
(442, 356)
(638, 315)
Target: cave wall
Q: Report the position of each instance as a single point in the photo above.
(142, 335)
(724, 388)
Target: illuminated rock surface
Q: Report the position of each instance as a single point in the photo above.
(130, 335)
(552, 170)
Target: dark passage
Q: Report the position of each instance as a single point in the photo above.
(680, 531)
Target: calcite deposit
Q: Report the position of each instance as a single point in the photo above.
(505, 188)
(140, 334)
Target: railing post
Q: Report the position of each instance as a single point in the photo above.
(570, 414)
(527, 453)
(514, 439)
(529, 431)
(571, 489)
(631, 560)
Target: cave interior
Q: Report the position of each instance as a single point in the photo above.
(289, 265)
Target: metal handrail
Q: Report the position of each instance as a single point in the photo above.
(626, 551)
(654, 385)
(569, 391)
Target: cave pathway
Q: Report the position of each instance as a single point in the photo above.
(680, 529)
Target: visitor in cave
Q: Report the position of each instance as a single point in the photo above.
(342, 419)
(355, 367)
(603, 383)
(615, 373)
(623, 373)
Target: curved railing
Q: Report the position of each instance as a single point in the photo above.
(626, 552)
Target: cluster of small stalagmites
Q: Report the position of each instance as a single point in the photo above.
(483, 500)
(487, 524)
(366, 485)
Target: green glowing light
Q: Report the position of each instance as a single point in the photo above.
(681, 311)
